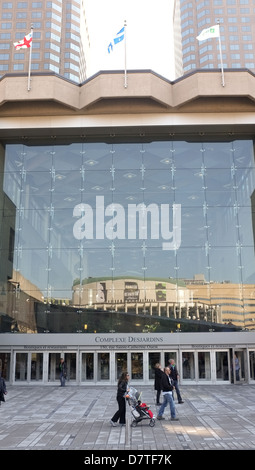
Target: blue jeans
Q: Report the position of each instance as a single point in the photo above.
(168, 398)
(62, 379)
(176, 386)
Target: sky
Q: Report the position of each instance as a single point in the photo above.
(149, 43)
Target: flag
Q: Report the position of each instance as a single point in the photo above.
(24, 43)
(212, 32)
(118, 38)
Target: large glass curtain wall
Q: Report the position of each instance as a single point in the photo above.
(127, 237)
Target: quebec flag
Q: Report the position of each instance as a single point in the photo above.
(118, 38)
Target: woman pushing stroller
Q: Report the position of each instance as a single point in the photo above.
(122, 389)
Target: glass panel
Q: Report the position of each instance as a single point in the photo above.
(93, 226)
(87, 367)
(222, 365)
(188, 365)
(120, 364)
(36, 366)
(136, 366)
(218, 154)
(170, 355)
(128, 156)
(252, 364)
(70, 360)
(239, 365)
(103, 366)
(54, 372)
(21, 367)
(154, 358)
(5, 365)
(204, 365)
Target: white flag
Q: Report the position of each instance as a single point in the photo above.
(212, 32)
(25, 43)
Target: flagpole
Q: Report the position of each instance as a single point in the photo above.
(221, 62)
(125, 47)
(30, 59)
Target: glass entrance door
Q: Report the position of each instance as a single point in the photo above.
(36, 372)
(21, 367)
(252, 364)
(120, 364)
(87, 367)
(188, 365)
(239, 366)
(53, 368)
(136, 366)
(204, 365)
(197, 366)
(154, 358)
(222, 365)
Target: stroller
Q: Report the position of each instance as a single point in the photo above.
(139, 410)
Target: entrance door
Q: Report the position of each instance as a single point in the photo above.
(239, 366)
(136, 366)
(53, 370)
(21, 367)
(222, 368)
(120, 364)
(252, 364)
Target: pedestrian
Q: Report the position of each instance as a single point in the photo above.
(122, 389)
(62, 368)
(157, 382)
(3, 390)
(175, 379)
(237, 367)
(167, 390)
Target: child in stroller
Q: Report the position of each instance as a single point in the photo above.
(139, 410)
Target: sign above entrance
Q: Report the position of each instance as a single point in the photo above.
(127, 341)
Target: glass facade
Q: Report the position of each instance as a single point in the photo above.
(127, 237)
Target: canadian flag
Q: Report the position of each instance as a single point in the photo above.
(25, 43)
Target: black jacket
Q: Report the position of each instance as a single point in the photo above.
(174, 372)
(122, 389)
(2, 388)
(158, 376)
(166, 385)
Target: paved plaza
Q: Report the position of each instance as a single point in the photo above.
(220, 417)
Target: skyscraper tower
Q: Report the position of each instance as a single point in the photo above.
(58, 44)
(237, 31)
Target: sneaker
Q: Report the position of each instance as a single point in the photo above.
(174, 419)
(113, 423)
(181, 401)
(160, 417)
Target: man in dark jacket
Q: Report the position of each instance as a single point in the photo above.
(62, 369)
(167, 390)
(175, 379)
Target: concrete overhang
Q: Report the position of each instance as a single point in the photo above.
(150, 105)
(145, 92)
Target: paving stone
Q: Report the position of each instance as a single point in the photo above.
(220, 417)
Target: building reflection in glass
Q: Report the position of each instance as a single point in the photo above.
(114, 275)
